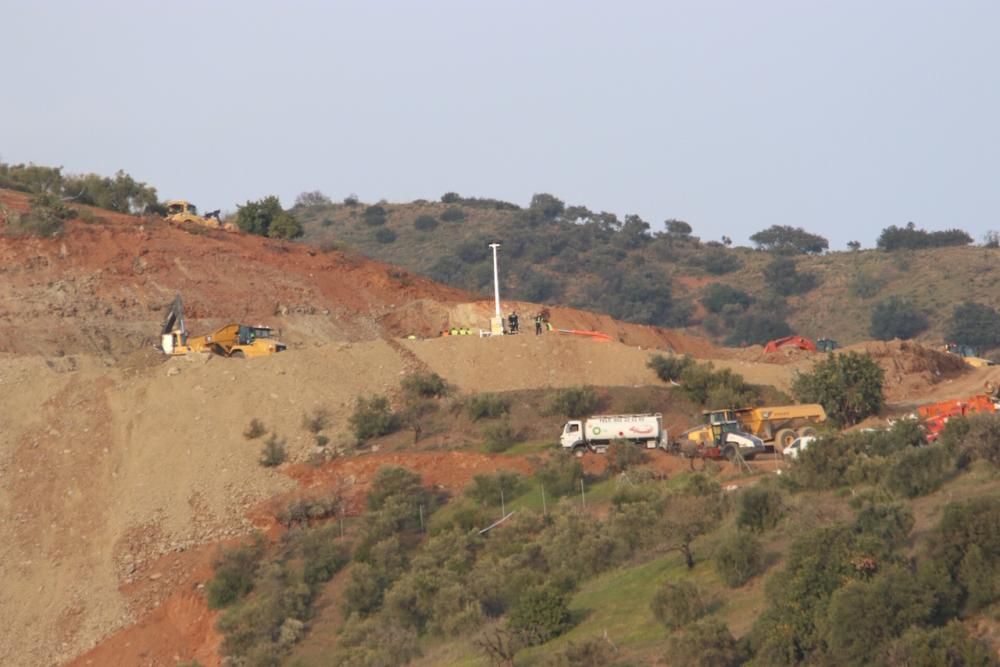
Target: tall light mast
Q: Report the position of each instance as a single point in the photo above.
(496, 324)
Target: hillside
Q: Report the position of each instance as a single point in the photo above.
(124, 474)
(604, 264)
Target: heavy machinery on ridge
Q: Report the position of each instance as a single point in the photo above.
(184, 212)
(233, 340)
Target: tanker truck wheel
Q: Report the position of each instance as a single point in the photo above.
(579, 451)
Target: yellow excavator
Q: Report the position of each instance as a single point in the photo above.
(238, 341)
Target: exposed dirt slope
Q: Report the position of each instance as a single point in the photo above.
(113, 459)
(102, 288)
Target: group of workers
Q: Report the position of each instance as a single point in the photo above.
(513, 325)
(541, 323)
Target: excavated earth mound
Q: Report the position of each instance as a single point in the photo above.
(911, 368)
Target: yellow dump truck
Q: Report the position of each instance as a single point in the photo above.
(778, 425)
(233, 340)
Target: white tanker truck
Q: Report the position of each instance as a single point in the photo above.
(596, 433)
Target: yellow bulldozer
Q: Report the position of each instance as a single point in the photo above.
(185, 213)
(238, 341)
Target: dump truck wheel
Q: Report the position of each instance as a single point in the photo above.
(729, 453)
(784, 438)
(807, 431)
(238, 354)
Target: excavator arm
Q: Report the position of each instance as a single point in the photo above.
(174, 320)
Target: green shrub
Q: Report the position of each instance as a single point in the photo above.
(316, 421)
(974, 324)
(265, 217)
(948, 646)
(715, 389)
(863, 616)
(273, 452)
(424, 385)
(719, 261)
(234, 574)
(919, 471)
(487, 406)
(756, 328)
(485, 489)
(385, 235)
(782, 276)
(45, 219)
(453, 214)
(375, 216)
(976, 437)
(706, 643)
(500, 436)
(425, 223)
(374, 643)
(865, 286)
(897, 318)
(856, 457)
(323, 555)
(575, 402)
(593, 652)
(312, 198)
(891, 523)
(625, 455)
(670, 369)
(783, 238)
(677, 603)
(738, 558)
(909, 237)
(549, 206)
(848, 386)
(254, 429)
(539, 615)
(760, 508)
(560, 476)
(718, 295)
(393, 481)
(372, 417)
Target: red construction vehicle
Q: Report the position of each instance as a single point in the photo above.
(795, 341)
(935, 416)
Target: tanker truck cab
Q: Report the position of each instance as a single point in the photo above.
(572, 435)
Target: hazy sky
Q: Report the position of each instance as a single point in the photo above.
(842, 116)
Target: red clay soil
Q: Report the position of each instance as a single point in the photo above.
(102, 287)
(122, 270)
(180, 628)
(449, 471)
